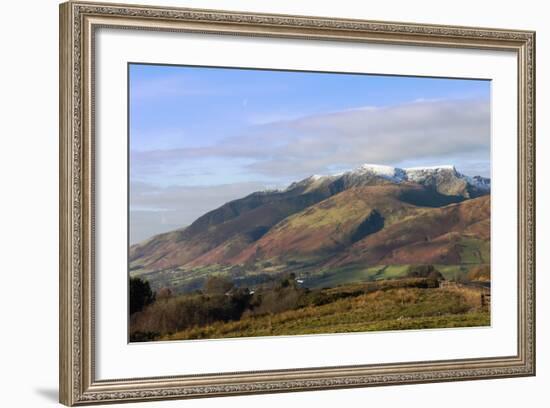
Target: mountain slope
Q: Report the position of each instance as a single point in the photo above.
(333, 224)
(373, 215)
(436, 235)
(241, 222)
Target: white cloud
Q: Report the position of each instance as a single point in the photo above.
(452, 130)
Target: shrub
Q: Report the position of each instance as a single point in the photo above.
(286, 296)
(480, 273)
(218, 285)
(163, 293)
(139, 336)
(169, 315)
(424, 271)
(141, 295)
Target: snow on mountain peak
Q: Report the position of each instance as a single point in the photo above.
(388, 172)
(418, 174)
(376, 168)
(481, 183)
(430, 168)
(422, 175)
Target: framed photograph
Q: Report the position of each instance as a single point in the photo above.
(256, 203)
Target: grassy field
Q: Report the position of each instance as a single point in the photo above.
(291, 324)
(189, 280)
(357, 273)
(384, 305)
(475, 251)
(394, 309)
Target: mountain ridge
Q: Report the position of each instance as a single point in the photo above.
(325, 221)
(428, 175)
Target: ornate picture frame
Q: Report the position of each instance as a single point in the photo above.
(79, 22)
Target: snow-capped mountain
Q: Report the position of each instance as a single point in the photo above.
(372, 215)
(444, 179)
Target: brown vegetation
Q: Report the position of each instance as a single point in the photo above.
(480, 273)
(392, 309)
(222, 310)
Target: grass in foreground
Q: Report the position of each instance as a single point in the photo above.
(393, 309)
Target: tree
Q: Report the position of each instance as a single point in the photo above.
(288, 280)
(163, 293)
(424, 271)
(141, 295)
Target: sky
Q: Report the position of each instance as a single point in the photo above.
(200, 137)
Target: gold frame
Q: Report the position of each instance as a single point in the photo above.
(78, 22)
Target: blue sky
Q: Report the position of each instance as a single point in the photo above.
(202, 136)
